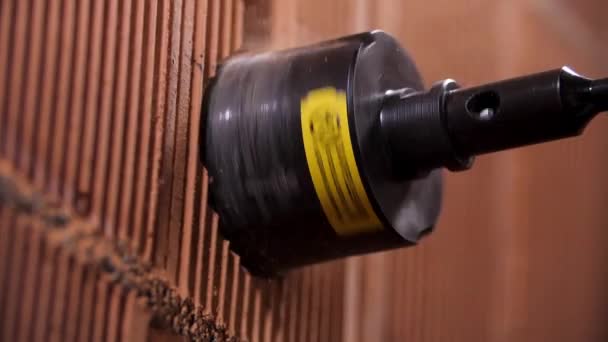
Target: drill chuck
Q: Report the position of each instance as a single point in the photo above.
(335, 149)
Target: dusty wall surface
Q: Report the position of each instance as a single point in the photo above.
(105, 233)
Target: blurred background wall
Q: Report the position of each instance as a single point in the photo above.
(105, 232)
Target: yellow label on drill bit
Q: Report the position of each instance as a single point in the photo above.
(332, 165)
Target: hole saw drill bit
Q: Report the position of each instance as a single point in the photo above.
(335, 149)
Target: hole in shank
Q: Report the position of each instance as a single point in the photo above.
(483, 105)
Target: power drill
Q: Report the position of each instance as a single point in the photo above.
(336, 149)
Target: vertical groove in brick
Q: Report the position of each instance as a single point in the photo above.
(145, 122)
(156, 139)
(59, 296)
(431, 296)
(237, 22)
(136, 320)
(207, 254)
(414, 299)
(211, 291)
(226, 26)
(441, 305)
(304, 306)
(224, 47)
(122, 311)
(89, 300)
(114, 314)
(414, 286)
(407, 303)
(97, 49)
(228, 273)
(406, 298)
(220, 20)
(6, 248)
(247, 312)
(15, 63)
(62, 93)
(277, 313)
(222, 292)
(31, 86)
(6, 38)
(421, 293)
(188, 263)
(42, 73)
(281, 319)
(256, 307)
(337, 302)
(183, 118)
(163, 233)
(326, 290)
(269, 303)
(213, 247)
(15, 281)
(399, 289)
(46, 288)
(181, 142)
(74, 301)
(100, 318)
(295, 283)
(105, 101)
(136, 65)
(118, 114)
(30, 295)
(199, 263)
(83, 46)
(236, 296)
(213, 36)
(315, 306)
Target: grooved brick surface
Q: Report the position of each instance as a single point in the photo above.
(99, 115)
